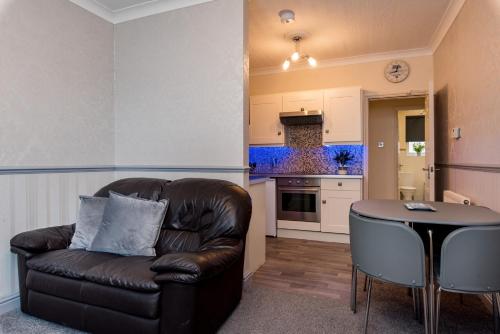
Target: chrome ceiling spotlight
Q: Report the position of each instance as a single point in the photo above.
(297, 55)
(287, 16)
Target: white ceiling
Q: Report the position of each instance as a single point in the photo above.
(116, 11)
(116, 5)
(341, 29)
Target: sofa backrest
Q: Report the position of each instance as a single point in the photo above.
(199, 210)
(148, 188)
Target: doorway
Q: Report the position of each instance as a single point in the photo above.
(396, 148)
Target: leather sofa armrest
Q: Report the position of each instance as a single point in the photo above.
(211, 259)
(42, 240)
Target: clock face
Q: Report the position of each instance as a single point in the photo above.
(397, 71)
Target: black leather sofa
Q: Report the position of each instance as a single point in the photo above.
(191, 286)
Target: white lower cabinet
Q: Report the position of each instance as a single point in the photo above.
(336, 199)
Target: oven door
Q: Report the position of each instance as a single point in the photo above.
(299, 204)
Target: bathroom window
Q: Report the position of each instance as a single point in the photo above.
(413, 148)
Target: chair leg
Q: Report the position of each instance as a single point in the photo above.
(498, 302)
(368, 299)
(496, 320)
(414, 303)
(366, 282)
(426, 311)
(354, 285)
(438, 307)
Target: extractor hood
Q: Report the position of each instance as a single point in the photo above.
(302, 117)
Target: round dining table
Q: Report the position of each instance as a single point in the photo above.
(445, 214)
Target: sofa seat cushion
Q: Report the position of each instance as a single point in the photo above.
(72, 263)
(131, 272)
(136, 303)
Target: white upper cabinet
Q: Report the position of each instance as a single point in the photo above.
(307, 100)
(265, 125)
(343, 115)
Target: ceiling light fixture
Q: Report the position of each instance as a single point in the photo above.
(297, 55)
(287, 16)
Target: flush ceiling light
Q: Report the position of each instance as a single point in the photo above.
(297, 55)
(287, 16)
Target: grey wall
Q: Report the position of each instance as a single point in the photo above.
(56, 85)
(180, 87)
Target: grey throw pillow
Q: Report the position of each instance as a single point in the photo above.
(130, 226)
(89, 220)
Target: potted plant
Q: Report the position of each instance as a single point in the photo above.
(418, 148)
(342, 158)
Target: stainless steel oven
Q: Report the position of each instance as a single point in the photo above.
(298, 199)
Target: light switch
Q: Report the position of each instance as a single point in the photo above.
(380, 144)
(456, 133)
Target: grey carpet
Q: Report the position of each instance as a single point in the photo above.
(267, 310)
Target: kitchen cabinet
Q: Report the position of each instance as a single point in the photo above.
(337, 195)
(265, 125)
(343, 115)
(306, 100)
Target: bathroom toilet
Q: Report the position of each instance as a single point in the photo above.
(407, 187)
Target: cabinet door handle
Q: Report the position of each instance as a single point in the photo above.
(327, 131)
(323, 201)
(339, 184)
(279, 133)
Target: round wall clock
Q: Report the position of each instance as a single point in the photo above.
(397, 71)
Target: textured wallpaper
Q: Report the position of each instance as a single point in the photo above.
(180, 87)
(56, 85)
(467, 81)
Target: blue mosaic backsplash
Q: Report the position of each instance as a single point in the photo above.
(304, 160)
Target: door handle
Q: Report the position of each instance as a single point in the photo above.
(323, 201)
(429, 171)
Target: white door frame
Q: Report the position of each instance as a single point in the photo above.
(366, 102)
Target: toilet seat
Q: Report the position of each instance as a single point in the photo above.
(407, 188)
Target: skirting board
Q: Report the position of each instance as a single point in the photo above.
(9, 304)
(316, 236)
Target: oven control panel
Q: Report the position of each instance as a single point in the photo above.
(298, 182)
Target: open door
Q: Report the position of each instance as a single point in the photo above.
(430, 169)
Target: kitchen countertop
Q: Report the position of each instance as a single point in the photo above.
(256, 179)
(323, 176)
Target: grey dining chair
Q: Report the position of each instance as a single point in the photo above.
(390, 252)
(469, 264)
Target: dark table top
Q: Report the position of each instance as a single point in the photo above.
(445, 214)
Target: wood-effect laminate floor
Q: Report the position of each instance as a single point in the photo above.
(311, 267)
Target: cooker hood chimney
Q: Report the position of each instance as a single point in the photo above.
(302, 117)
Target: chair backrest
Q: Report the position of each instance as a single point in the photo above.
(199, 210)
(390, 251)
(469, 260)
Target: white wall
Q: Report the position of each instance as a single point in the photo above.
(56, 85)
(178, 99)
(180, 84)
(56, 109)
